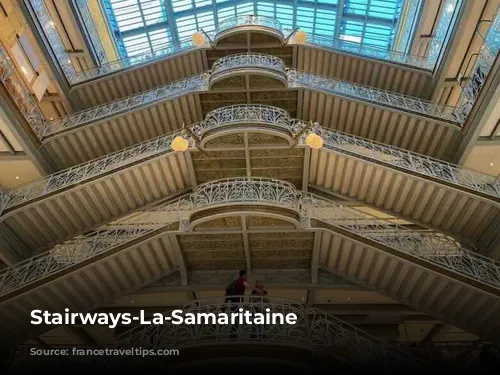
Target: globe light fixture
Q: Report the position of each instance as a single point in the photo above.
(314, 141)
(300, 37)
(198, 39)
(180, 144)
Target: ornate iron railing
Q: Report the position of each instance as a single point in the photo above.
(485, 60)
(370, 51)
(88, 22)
(244, 20)
(248, 60)
(143, 99)
(260, 114)
(82, 172)
(136, 60)
(21, 94)
(314, 330)
(367, 93)
(57, 46)
(432, 247)
(295, 79)
(421, 164)
(442, 34)
(244, 114)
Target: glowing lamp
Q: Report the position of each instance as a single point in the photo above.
(198, 39)
(180, 144)
(314, 141)
(300, 37)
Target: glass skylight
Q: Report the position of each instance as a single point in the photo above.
(143, 26)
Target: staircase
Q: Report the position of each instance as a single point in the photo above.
(424, 270)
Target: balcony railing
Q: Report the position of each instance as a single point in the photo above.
(136, 60)
(245, 20)
(370, 51)
(82, 172)
(21, 94)
(295, 79)
(275, 117)
(248, 60)
(47, 26)
(141, 100)
(314, 329)
(367, 93)
(429, 246)
(484, 63)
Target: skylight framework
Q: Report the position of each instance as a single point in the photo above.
(143, 26)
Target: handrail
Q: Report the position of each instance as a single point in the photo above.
(483, 64)
(295, 79)
(148, 97)
(134, 61)
(392, 99)
(369, 51)
(429, 246)
(21, 94)
(238, 114)
(244, 20)
(315, 329)
(248, 59)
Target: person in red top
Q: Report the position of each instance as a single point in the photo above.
(240, 286)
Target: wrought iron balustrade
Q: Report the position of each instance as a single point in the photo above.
(94, 114)
(88, 22)
(21, 94)
(241, 114)
(485, 60)
(135, 60)
(378, 96)
(432, 247)
(52, 35)
(410, 161)
(248, 60)
(370, 51)
(314, 330)
(82, 172)
(249, 20)
(295, 79)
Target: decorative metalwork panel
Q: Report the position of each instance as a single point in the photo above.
(88, 170)
(370, 51)
(410, 161)
(21, 94)
(82, 6)
(53, 38)
(241, 114)
(367, 93)
(248, 60)
(146, 98)
(255, 190)
(246, 20)
(427, 245)
(115, 66)
(314, 330)
(482, 67)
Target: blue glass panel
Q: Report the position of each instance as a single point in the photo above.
(148, 21)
